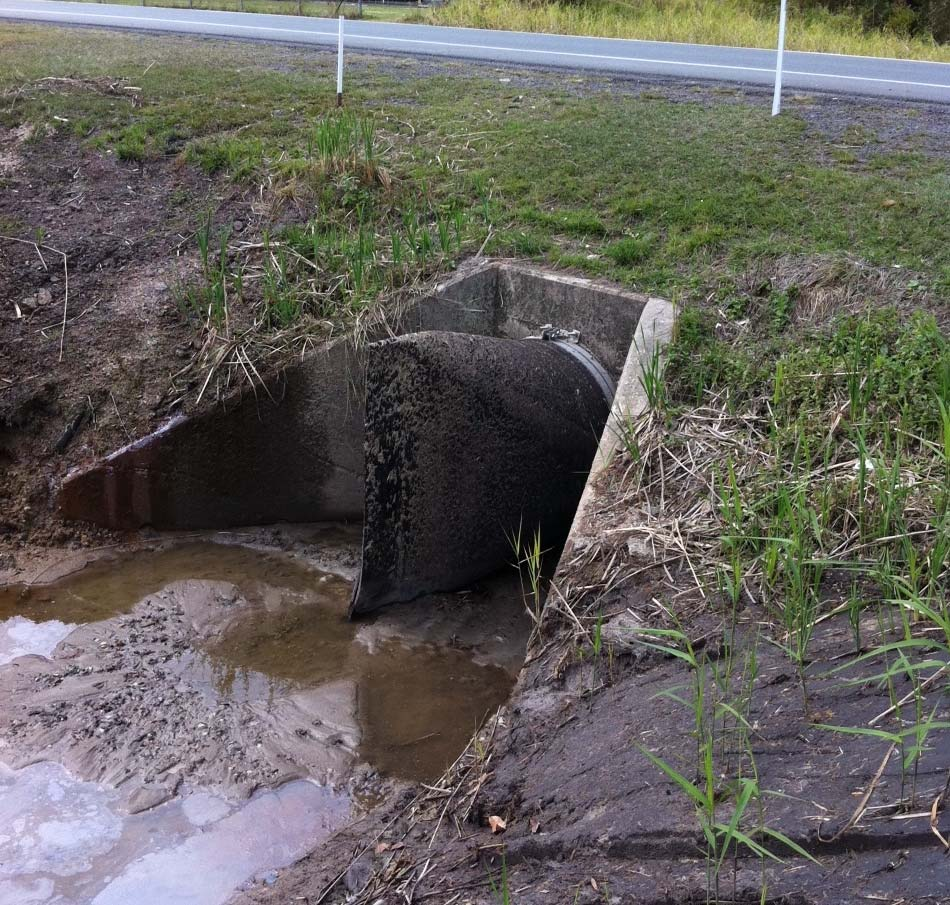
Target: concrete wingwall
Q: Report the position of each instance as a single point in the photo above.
(295, 454)
(653, 334)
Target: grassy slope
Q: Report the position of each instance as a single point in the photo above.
(674, 198)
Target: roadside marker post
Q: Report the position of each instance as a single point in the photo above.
(339, 67)
(777, 98)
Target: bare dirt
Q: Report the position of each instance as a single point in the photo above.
(69, 395)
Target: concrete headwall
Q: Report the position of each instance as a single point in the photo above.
(606, 316)
(299, 457)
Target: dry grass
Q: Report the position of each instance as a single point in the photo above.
(725, 22)
(373, 12)
(253, 358)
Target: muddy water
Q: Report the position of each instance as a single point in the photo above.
(417, 703)
(163, 715)
(113, 585)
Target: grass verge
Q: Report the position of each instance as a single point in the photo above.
(375, 12)
(685, 200)
(793, 479)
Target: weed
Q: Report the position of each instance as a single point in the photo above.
(630, 250)
(652, 377)
(722, 804)
(242, 158)
(499, 887)
(626, 429)
(855, 607)
(800, 573)
(282, 306)
(529, 562)
(131, 144)
(206, 301)
(346, 143)
(596, 642)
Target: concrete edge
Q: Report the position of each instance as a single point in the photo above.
(653, 335)
(552, 275)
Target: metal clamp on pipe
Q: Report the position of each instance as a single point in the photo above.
(570, 342)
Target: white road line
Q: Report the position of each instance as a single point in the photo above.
(153, 20)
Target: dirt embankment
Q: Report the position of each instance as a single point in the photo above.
(588, 818)
(71, 393)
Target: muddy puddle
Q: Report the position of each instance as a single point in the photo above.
(206, 711)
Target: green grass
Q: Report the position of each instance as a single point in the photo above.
(822, 446)
(736, 23)
(673, 198)
(677, 199)
(659, 191)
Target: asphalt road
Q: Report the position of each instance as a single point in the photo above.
(905, 79)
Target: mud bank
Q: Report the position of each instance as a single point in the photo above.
(564, 768)
(589, 819)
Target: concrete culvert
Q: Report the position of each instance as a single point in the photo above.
(471, 440)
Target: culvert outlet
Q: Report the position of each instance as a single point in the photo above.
(295, 453)
(471, 441)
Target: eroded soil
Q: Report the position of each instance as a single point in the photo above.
(589, 819)
(71, 394)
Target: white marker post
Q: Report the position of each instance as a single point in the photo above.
(339, 67)
(777, 99)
